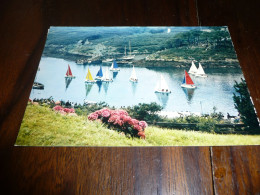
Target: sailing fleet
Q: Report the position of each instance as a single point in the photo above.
(161, 86)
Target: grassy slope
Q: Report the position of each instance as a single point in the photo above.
(43, 127)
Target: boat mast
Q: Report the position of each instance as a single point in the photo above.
(130, 48)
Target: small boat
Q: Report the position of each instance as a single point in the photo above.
(37, 85)
(106, 77)
(69, 73)
(108, 60)
(193, 68)
(200, 72)
(99, 75)
(89, 78)
(187, 82)
(114, 67)
(162, 86)
(133, 77)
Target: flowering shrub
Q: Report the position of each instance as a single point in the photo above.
(120, 120)
(62, 110)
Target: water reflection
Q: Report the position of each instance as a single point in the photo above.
(88, 87)
(115, 74)
(133, 87)
(105, 86)
(163, 98)
(189, 94)
(67, 82)
(99, 84)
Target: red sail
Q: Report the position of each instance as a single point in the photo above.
(69, 73)
(188, 79)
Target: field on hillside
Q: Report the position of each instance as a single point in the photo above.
(43, 127)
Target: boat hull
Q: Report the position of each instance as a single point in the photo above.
(37, 85)
(70, 77)
(200, 75)
(165, 92)
(107, 80)
(98, 78)
(114, 69)
(188, 86)
(133, 80)
(90, 82)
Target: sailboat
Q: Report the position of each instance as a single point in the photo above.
(187, 82)
(106, 77)
(99, 75)
(193, 68)
(69, 73)
(130, 56)
(133, 77)
(114, 67)
(89, 78)
(200, 72)
(162, 86)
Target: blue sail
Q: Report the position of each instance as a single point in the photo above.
(184, 80)
(115, 64)
(100, 73)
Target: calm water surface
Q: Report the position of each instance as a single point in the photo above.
(215, 90)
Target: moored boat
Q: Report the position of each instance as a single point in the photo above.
(187, 81)
(37, 85)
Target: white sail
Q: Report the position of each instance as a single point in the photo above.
(106, 76)
(193, 68)
(133, 75)
(200, 70)
(162, 86)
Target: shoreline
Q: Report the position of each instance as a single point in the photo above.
(153, 63)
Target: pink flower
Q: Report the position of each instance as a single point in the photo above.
(133, 122)
(137, 127)
(105, 113)
(143, 124)
(58, 108)
(113, 118)
(118, 122)
(126, 119)
(67, 110)
(93, 116)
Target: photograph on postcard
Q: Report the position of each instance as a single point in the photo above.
(139, 86)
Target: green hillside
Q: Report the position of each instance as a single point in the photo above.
(212, 45)
(43, 127)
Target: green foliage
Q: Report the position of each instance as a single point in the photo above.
(87, 109)
(146, 112)
(207, 124)
(244, 105)
(43, 127)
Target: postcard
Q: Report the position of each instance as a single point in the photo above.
(139, 86)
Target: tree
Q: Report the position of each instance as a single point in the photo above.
(244, 105)
(147, 112)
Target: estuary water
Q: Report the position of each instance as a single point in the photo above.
(215, 90)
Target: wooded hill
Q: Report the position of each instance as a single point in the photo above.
(178, 47)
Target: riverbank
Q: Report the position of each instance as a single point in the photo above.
(225, 64)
